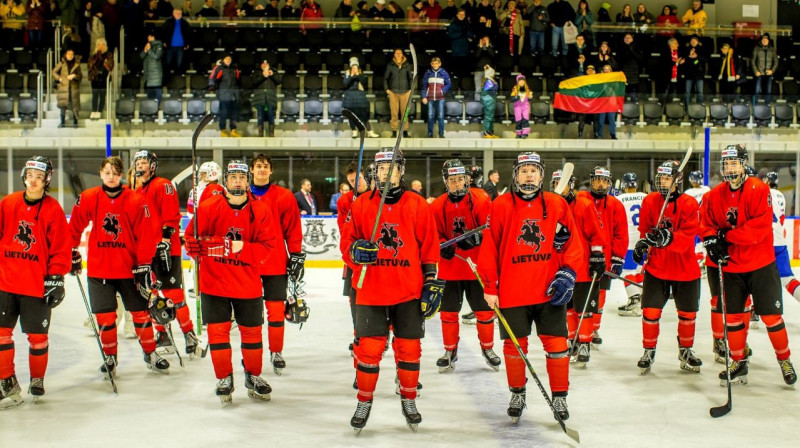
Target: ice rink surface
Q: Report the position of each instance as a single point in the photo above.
(610, 403)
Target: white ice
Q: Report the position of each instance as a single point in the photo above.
(610, 403)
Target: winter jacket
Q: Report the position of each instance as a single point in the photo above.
(643, 18)
(630, 58)
(37, 15)
(226, 80)
(584, 23)
(68, 90)
(695, 20)
(561, 13)
(435, 84)
(151, 64)
(694, 68)
(14, 11)
(100, 64)
(483, 57)
(538, 25)
(311, 13)
(169, 27)
(398, 77)
(573, 51)
(69, 11)
(460, 33)
(265, 90)
(505, 18)
(355, 97)
(764, 58)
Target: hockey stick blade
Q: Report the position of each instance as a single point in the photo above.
(566, 174)
(353, 119)
(721, 411)
(686, 158)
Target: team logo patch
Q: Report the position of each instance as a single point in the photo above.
(531, 235)
(24, 235)
(315, 238)
(666, 223)
(234, 234)
(777, 304)
(459, 227)
(732, 216)
(390, 238)
(45, 323)
(111, 225)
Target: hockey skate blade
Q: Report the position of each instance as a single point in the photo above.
(514, 420)
(170, 350)
(277, 371)
(414, 426)
(719, 411)
(11, 401)
(644, 371)
(252, 394)
(739, 380)
(580, 364)
(495, 368)
(226, 400)
(357, 431)
(447, 369)
(689, 368)
(153, 369)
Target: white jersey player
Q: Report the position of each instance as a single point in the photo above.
(779, 237)
(632, 201)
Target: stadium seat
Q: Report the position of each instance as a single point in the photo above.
(148, 110)
(14, 84)
(630, 113)
(195, 109)
(762, 115)
(674, 112)
(719, 113)
(652, 112)
(23, 60)
(26, 110)
(312, 86)
(173, 110)
(697, 114)
(312, 110)
(290, 110)
(382, 111)
(784, 114)
(740, 114)
(6, 109)
(454, 111)
(335, 86)
(540, 112)
(335, 111)
(124, 109)
(290, 87)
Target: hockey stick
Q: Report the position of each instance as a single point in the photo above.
(97, 335)
(619, 277)
(566, 175)
(362, 133)
(172, 341)
(573, 434)
(675, 178)
(394, 159)
(585, 305)
(719, 411)
(195, 135)
(463, 236)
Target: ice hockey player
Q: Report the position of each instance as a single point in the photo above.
(343, 206)
(613, 217)
(592, 240)
(670, 270)
(788, 279)
(631, 200)
(280, 267)
(35, 258)
(404, 255)
(236, 236)
(698, 189)
(207, 185)
(122, 243)
(736, 231)
(528, 281)
(456, 212)
(162, 197)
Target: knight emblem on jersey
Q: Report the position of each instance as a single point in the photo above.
(111, 225)
(390, 239)
(24, 235)
(531, 235)
(666, 223)
(234, 234)
(732, 216)
(459, 227)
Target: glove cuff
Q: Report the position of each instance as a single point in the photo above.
(167, 231)
(428, 270)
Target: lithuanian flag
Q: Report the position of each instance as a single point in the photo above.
(592, 94)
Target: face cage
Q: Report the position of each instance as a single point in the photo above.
(735, 178)
(598, 191)
(460, 192)
(237, 191)
(659, 186)
(528, 187)
(398, 168)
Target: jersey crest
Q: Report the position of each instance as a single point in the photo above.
(111, 225)
(234, 234)
(390, 238)
(732, 215)
(24, 235)
(666, 223)
(531, 235)
(459, 227)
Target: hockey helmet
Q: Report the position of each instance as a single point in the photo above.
(630, 180)
(237, 167)
(150, 156)
(161, 309)
(771, 179)
(732, 164)
(696, 178)
(384, 157)
(454, 172)
(531, 186)
(297, 312)
(750, 171)
(40, 163)
(600, 173)
(667, 177)
(211, 170)
(476, 176)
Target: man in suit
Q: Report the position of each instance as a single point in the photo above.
(305, 200)
(491, 186)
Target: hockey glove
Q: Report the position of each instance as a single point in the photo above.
(54, 290)
(717, 249)
(77, 262)
(560, 288)
(364, 252)
(597, 263)
(143, 276)
(215, 246)
(616, 264)
(561, 238)
(470, 242)
(659, 237)
(295, 267)
(447, 252)
(640, 250)
(431, 297)
(162, 253)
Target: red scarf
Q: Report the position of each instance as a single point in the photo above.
(511, 32)
(674, 64)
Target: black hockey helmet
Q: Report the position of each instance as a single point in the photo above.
(750, 171)
(476, 176)
(40, 163)
(696, 177)
(161, 309)
(150, 156)
(630, 180)
(454, 168)
(732, 164)
(599, 172)
(297, 312)
(523, 159)
(667, 177)
(771, 179)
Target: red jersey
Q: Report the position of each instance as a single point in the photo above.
(517, 260)
(406, 240)
(682, 216)
(238, 275)
(589, 232)
(161, 196)
(124, 232)
(614, 222)
(33, 244)
(747, 211)
(455, 218)
(288, 233)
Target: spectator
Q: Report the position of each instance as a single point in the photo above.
(344, 10)
(344, 188)
(362, 9)
(187, 9)
(225, 80)
(176, 38)
(289, 11)
(111, 21)
(668, 22)
(151, 55)
(694, 69)
(449, 12)
(490, 187)
(489, 101)
(538, 19)
(311, 12)
(208, 10)
(417, 14)
(604, 56)
(469, 6)
(630, 58)
(606, 117)
(584, 20)
(68, 74)
(582, 118)
(379, 11)
(416, 187)
(485, 22)
(265, 96)
(133, 21)
(764, 62)
(432, 10)
(100, 64)
(69, 12)
(671, 61)
(164, 9)
(578, 56)
(625, 17)
(484, 55)
(151, 12)
(271, 10)
(642, 17)
(38, 11)
(603, 16)
(435, 84)
(730, 73)
(395, 11)
(355, 96)
(522, 95)
(230, 10)
(560, 12)
(305, 200)
(397, 83)
(250, 9)
(460, 33)
(513, 28)
(98, 29)
(695, 19)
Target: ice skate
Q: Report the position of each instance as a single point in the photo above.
(754, 320)
(633, 307)
(492, 360)
(597, 341)
(397, 387)
(448, 361)
(517, 404)
(10, 393)
(163, 345)
(193, 348)
(36, 389)
(359, 420)
(560, 405)
(278, 364)
(468, 318)
(413, 418)
(225, 390)
(788, 372)
(257, 387)
(689, 361)
(719, 350)
(109, 368)
(156, 363)
(584, 350)
(738, 372)
(647, 360)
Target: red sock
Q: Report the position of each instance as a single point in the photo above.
(716, 320)
(107, 324)
(572, 323)
(37, 354)
(252, 349)
(368, 353)
(587, 327)
(6, 353)
(598, 316)
(219, 343)
(650, 327)
(409, 353)
(144, 330)
(794, 288)
(275, 318)
(776, 329)
(181, 310)
(555, 348)
(686, 322)
(738, 323)
(515, 366)
(449, 329)
(485, 324)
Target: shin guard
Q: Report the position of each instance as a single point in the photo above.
(275, 320)
(555, 348)
(650, 327)
(37, 354)
(219, 343)
(515, 366)
(368, 353)
(485, 324)
(252, 349)
(686, 324)
(409, 354)
(449, 329)
(776, 329)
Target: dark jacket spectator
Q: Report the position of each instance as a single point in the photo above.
(483, 56)
(576, 64)
(168, 30)
(630, 58)
(225, 79)
(449, 12)
(642, 16)
(604, 56)
(151, 64)
(69, 11)
(164, 8)
(355, 91)
(111, 20)
(133, 21)
(271, 10)
(379, 11)
(345, 10)
(695, 57)
(306, 201)
(397, 77)
(208, 10)
(538, 18)
(265, 89)
(395, 11)
(626, 16)
(460, 33)
(289, 11)
(561, 12)
(485, 20)
(764, 57)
